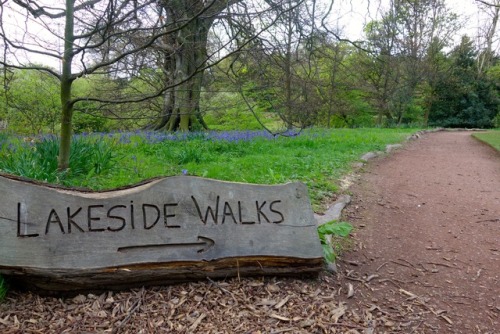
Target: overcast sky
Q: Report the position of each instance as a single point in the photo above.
(354, 14)
(351, 15)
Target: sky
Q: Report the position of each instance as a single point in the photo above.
(350, 16)
(354, 14)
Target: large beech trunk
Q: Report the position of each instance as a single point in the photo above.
(183, 69)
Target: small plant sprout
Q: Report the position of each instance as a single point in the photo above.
(333, 231)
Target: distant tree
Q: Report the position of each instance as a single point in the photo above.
(399, 46)
(487, 34)
(276, 71)
(31, 113)
(380, 67)
(342, 101)
(438, 65)
(463, 98)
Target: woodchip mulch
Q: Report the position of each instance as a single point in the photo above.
(245, 305)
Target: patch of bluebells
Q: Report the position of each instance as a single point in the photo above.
(237, 136)
(12, 148)
(153, 137)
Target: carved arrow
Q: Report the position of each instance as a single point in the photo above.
(207, 243)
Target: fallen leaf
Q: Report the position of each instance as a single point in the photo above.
(273, 288)
(306, 323)
(79, 299)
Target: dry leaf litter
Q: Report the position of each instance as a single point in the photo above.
(246, 305)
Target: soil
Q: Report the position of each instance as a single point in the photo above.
(428, 223)
(425, 258)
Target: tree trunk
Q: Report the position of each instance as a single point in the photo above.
(66, 85)
(485, 59)
(184, 70)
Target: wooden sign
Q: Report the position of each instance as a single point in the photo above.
(168, 230)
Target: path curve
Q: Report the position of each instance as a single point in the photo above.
(427, 254)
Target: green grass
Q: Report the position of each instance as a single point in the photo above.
(491, 138)
(318, 157)
(3, 288)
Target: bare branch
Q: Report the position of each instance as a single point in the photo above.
(36, 10)
(488, 3)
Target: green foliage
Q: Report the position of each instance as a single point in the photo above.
(228, 111)
(338, 231)
(463, 98)
(318, 157)
(32, 103)
(3, 288)
(260, 94)
(491, 138)
(341, 229)
(83, 123)
(38, 160)
(406, 47)
(88, 115)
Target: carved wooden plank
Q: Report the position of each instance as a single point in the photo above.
(168, 230)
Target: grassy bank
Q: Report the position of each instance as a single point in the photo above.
(316, 157)
(491, 138)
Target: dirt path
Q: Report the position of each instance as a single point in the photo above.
(428, 239)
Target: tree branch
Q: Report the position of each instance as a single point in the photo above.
(488, 3)
(36, 10)
(148, 43)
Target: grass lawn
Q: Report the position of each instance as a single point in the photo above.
(317, 157)
(491, 138)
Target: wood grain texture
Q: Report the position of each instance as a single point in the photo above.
(168, 230)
